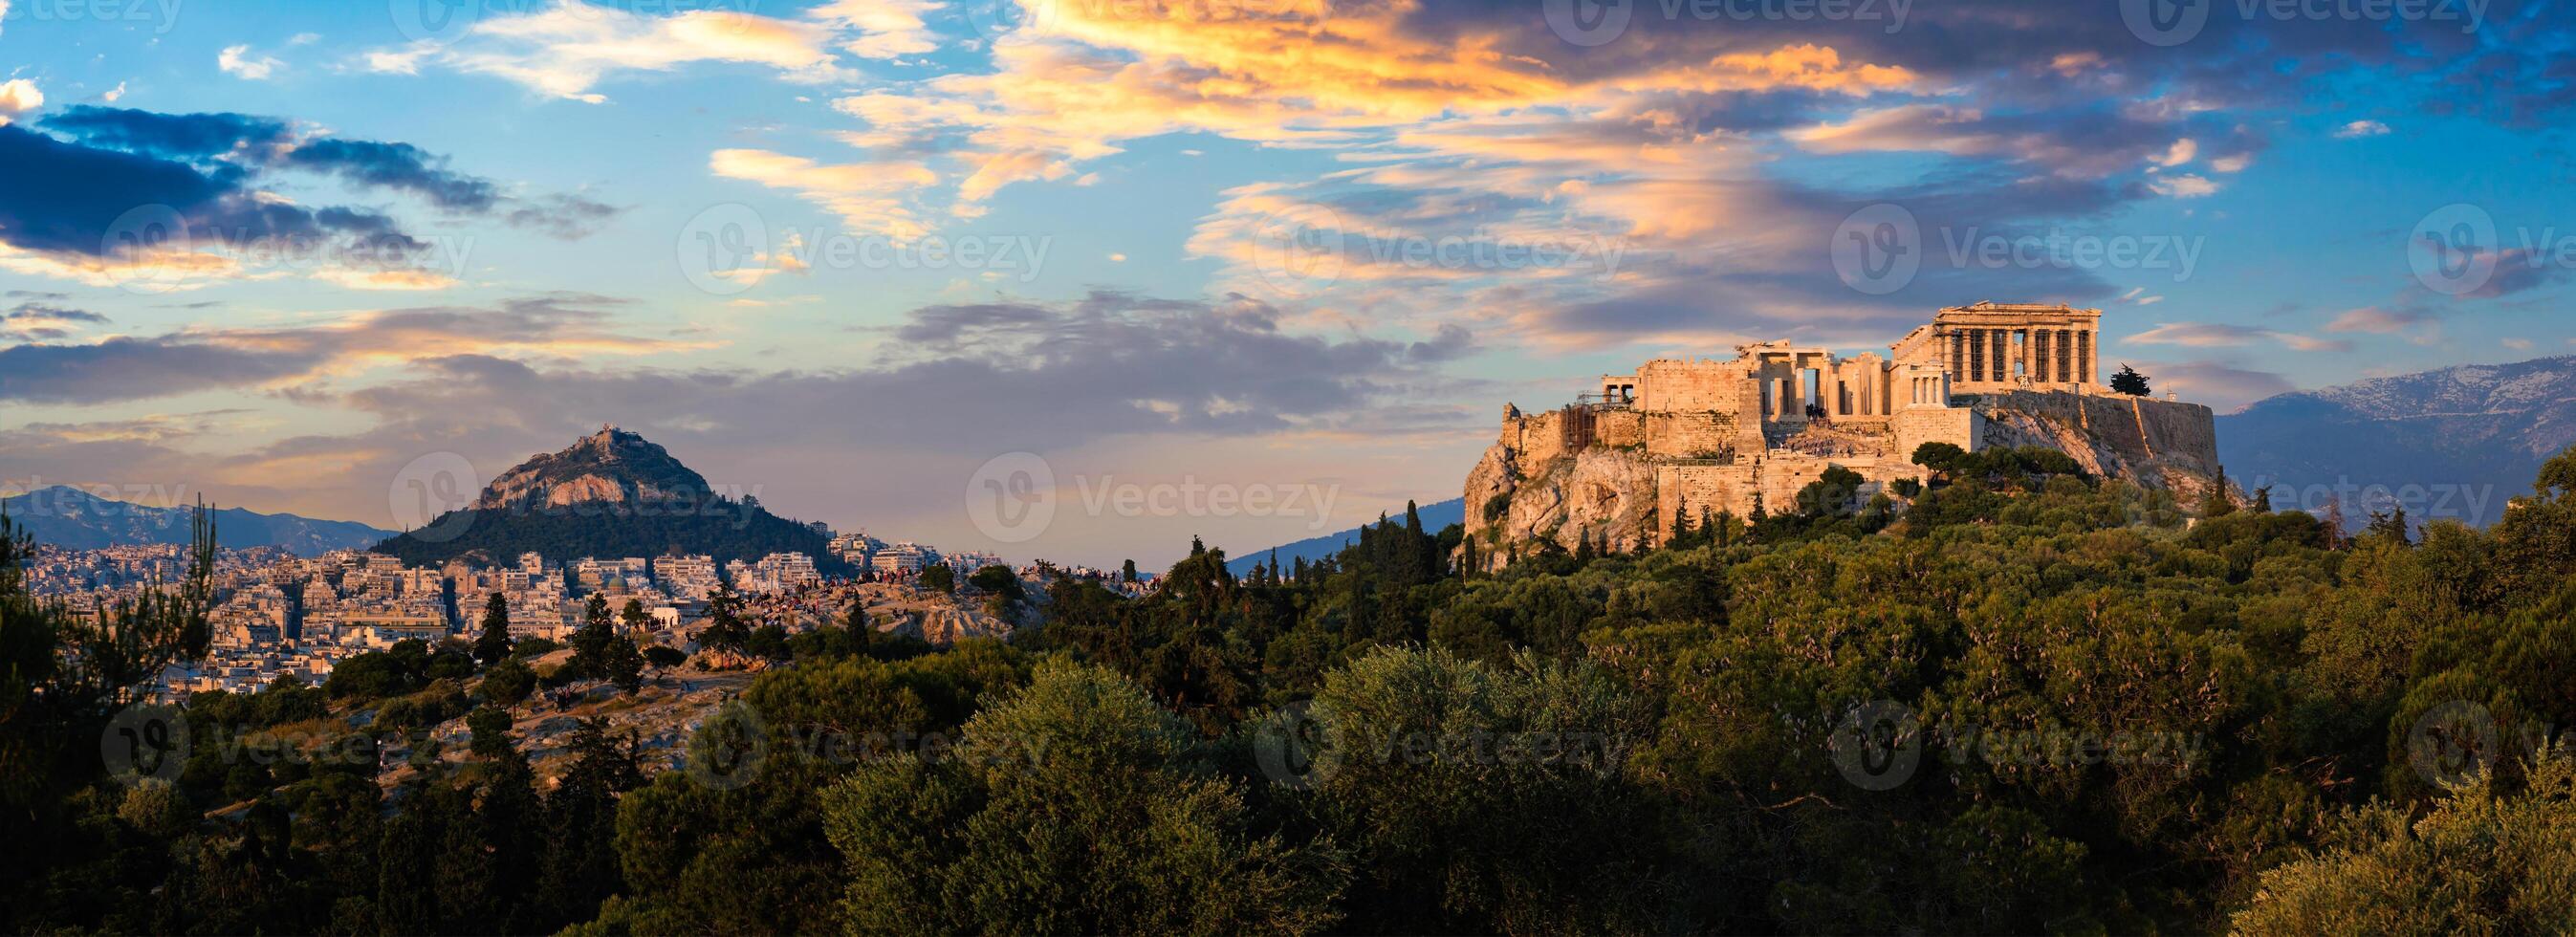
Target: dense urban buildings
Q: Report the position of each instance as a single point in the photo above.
(281, 615)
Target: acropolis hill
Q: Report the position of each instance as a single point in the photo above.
(1683, 435)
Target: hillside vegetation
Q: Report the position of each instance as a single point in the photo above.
(2030, 701)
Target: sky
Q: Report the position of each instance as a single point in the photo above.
(1081, 279)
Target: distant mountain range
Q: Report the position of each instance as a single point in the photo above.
(612, 493)
(1434, 518)
(76, 519)
(2452, 443)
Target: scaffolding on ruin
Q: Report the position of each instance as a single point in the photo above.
(1578, 426)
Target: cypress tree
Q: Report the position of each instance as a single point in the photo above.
(494, 645)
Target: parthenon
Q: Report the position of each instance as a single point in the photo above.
(2008, 346)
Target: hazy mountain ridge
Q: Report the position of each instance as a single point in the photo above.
(610, 494)
(2473, 435)
(1435, 516)
(70, 517)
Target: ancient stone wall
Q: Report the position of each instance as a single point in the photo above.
(2134, 429)
(1959, 426)
(1694, 435)
(1676, 385)
(1689, 487)
(1619, 429)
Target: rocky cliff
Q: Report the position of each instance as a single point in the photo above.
(610, 465)
(2155, 443)
(1615, 482)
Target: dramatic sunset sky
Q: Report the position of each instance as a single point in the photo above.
(1242, 242)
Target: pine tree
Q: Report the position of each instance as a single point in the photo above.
(2128, 381)
(2214, 502)
(625, 665)
(2390, 525)
(725, 630)
(494, 645)
(591, 643)
(2263, 500)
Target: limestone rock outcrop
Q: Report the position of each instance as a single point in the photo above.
(1593, 493)
(611, 466)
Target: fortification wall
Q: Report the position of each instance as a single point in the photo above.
(2129, 430)
(1619, 429)
(1693, 434)
(1958, 426)
(1670, 384)
(1535, 437)
(1689, 487)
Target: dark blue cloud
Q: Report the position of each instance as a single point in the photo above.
(136, 369)
(396, 166)
(191, 137)
(240, 143)
(67, 198)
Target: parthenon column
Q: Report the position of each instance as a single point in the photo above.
(2084, 356)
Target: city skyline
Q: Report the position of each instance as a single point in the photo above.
(844, 256)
